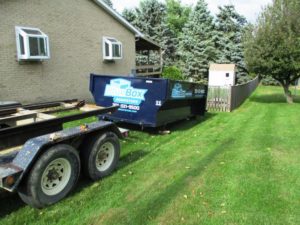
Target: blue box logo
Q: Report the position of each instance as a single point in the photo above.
(123, 93)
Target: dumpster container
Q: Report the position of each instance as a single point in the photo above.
(149, 102)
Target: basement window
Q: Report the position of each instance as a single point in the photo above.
(32, 44)
(112, 49)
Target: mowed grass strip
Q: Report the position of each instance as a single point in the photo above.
(226, 168)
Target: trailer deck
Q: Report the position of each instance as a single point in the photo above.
(37, 119)
(42, 161)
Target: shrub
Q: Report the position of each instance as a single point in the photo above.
(172, 72)
(244, 79)
(269, 81)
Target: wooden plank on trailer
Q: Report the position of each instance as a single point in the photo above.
(11, 150)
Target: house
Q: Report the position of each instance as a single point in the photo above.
(222, 75)
(49, 48)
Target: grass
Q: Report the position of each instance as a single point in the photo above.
(226, 168)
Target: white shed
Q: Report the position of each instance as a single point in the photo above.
(222, 74)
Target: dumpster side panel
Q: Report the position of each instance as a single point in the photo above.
(184, 99)
(139, 99)
(186, 90)
(148, 101)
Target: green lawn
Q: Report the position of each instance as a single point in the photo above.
(227, 168)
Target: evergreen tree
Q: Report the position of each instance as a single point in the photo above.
(177, 15)
(130, 15)
(109, 3)
(150, 19)
(197, 47)
(170, 44)
(230, 26)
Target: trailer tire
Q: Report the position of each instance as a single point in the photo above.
(52, 177)
(23, 194)
(100, 155)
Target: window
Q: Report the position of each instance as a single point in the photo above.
(112, 49)
(227, 74)
(32, 44)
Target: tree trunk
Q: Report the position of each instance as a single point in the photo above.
(288, 94)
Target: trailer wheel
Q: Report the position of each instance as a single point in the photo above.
(25, 196)
(52, 177)
(101, 155)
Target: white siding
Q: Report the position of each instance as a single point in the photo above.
(218, 78)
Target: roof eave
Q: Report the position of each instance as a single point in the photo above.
(118, 17)
(222, 67)
(158, 47)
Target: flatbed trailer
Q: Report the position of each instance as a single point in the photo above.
(42, 161)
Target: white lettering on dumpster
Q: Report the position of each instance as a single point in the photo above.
(126, 96)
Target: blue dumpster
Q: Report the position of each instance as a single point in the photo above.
(149, 102)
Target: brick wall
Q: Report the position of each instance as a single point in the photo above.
(75, 29)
